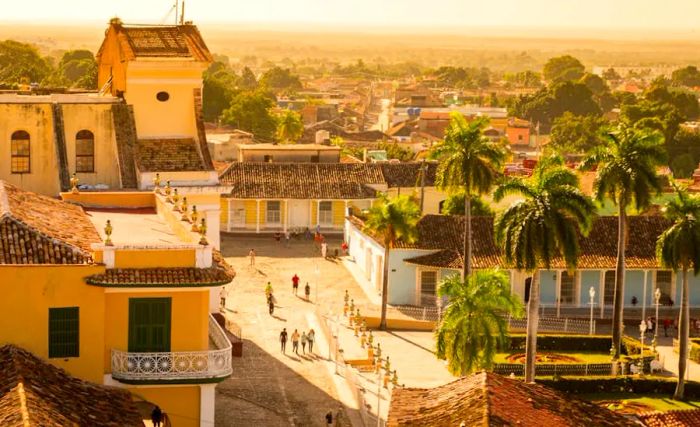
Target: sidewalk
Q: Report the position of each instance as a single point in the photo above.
(670, 359)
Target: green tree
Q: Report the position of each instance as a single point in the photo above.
(219, 88)
(678, 248)
(21, 63)
(469, 162)
(542, 226)
(454, 205)
(250, 111)
(289, 127)
(687, 76)
(474, 324)
(248, 80)
(611, 75)
(280, 79)
(562, 69)
(626, 174)
(391, 220)
(683, 165)
(577, 134)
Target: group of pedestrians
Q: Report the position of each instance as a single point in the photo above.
(295, 287)
(305, 338)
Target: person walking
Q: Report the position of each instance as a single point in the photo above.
(324, 249)
(271, 305)
(268, 289)
(303, 342)
(667, 323)
(156, 416)
(286, 238)
(223, 293)
(295, 284)
(307, 291)
(283, 340)
(311, 337)
(295, 342)
(251, 254)
(329, 419)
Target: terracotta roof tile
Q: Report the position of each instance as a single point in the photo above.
(173, 41)
(301, 180)
(487, 399)
(169, 155)
(36, 229)
(442, 259)
(36, 393)
(408, 174)
(687, 418)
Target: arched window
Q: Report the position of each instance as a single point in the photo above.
(85, 151)
(19, 152)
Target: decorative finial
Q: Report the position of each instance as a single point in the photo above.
(203, 232)
(156, 184)
(167, 191)
(194, 217)
(74, 184)
(175, 199)
(108, 233)
(395, 379)
(183, 209)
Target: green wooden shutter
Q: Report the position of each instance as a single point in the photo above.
(149, 324)
(64, 332)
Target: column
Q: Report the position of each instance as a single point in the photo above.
(207, 402)
(601, 296)
(229, 225)
(257, 216)
(558, 293)
(644, 297)
(286, 215)
(318, 212)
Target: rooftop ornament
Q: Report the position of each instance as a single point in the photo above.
(74, 184)
(183, 209)
(156, 184)
(175, 199)
(167, 191)
(203, 232)
(194, 217)
(108, 233)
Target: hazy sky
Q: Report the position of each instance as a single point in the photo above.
(608, 14)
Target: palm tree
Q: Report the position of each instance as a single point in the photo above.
(392, 220)
(542, 226)
(289, 127)
(473, 327)
(627, 175)
(678, 248)
(470, 162)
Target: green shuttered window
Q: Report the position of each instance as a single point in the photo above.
(64, 326)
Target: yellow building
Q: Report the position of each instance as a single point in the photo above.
(276, 197)
(127, 307)
(146, 118)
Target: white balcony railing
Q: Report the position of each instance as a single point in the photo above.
(173, 366)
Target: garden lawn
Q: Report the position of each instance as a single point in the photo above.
(583, 357)
(659, 402)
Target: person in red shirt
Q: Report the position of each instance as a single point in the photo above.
(295, 284)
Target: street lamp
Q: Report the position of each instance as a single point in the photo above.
(657, 298)
(591, 293)
(642, 330)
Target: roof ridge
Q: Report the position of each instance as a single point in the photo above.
(487, 402)
(4, 201)
(53, 239)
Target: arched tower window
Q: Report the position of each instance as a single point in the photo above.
(85, 151)
(19, 152)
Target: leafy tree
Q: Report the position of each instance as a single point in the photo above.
(250, 111)
(577, 134)
(626, 174)
(683, 165)
(611, 75)
(474, 325)
(469, 162)
(542, 226)
(527, 78)
(21, 63)
(595, 84)
(687, 76)
(563, 69)
(289, 126)
(454, 205)
(395, 151)
(392, 220)
(678, 248)
(280, 79)
(248, 80)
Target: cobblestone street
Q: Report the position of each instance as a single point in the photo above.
(269, 388)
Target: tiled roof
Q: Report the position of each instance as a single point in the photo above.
(36, 229)
(687, 418)
(487, 399)
(169, 155)
(443, 259)
(36, 393)
(408, 174)
(301, 180)
(168, 41)
(597, 251)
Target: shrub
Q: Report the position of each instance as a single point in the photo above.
(590, 385)
(579, 343)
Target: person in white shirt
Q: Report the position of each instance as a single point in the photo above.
(223, 293)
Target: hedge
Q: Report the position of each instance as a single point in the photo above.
(694, 351)
(578, 343)
(591, 385)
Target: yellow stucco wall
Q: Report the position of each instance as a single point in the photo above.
(174, 117)
(433, 197)
(189, 324)
(223, 218)
(250, 212)
(338, 213)
(181, 404)
(106, 199)
(37, 120)
(124, 258)
(263, 212)
(27, 294)
(313, 206)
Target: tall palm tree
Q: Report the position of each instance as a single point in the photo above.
(289, 127)
(541, 227)
(473, 326)
(678, 248)
(626, 174)
(392, 220)
(468, 161)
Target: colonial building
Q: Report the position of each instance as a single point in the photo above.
(417, 268)
(126, 304)
(146, 118)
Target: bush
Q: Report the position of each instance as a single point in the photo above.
(694, 351)
(578, 343)
(590, 385)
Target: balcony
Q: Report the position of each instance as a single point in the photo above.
(181, 367)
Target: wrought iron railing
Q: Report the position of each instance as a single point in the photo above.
(181, 365)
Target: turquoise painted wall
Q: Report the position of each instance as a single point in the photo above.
(402, 276)
(548, 287)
